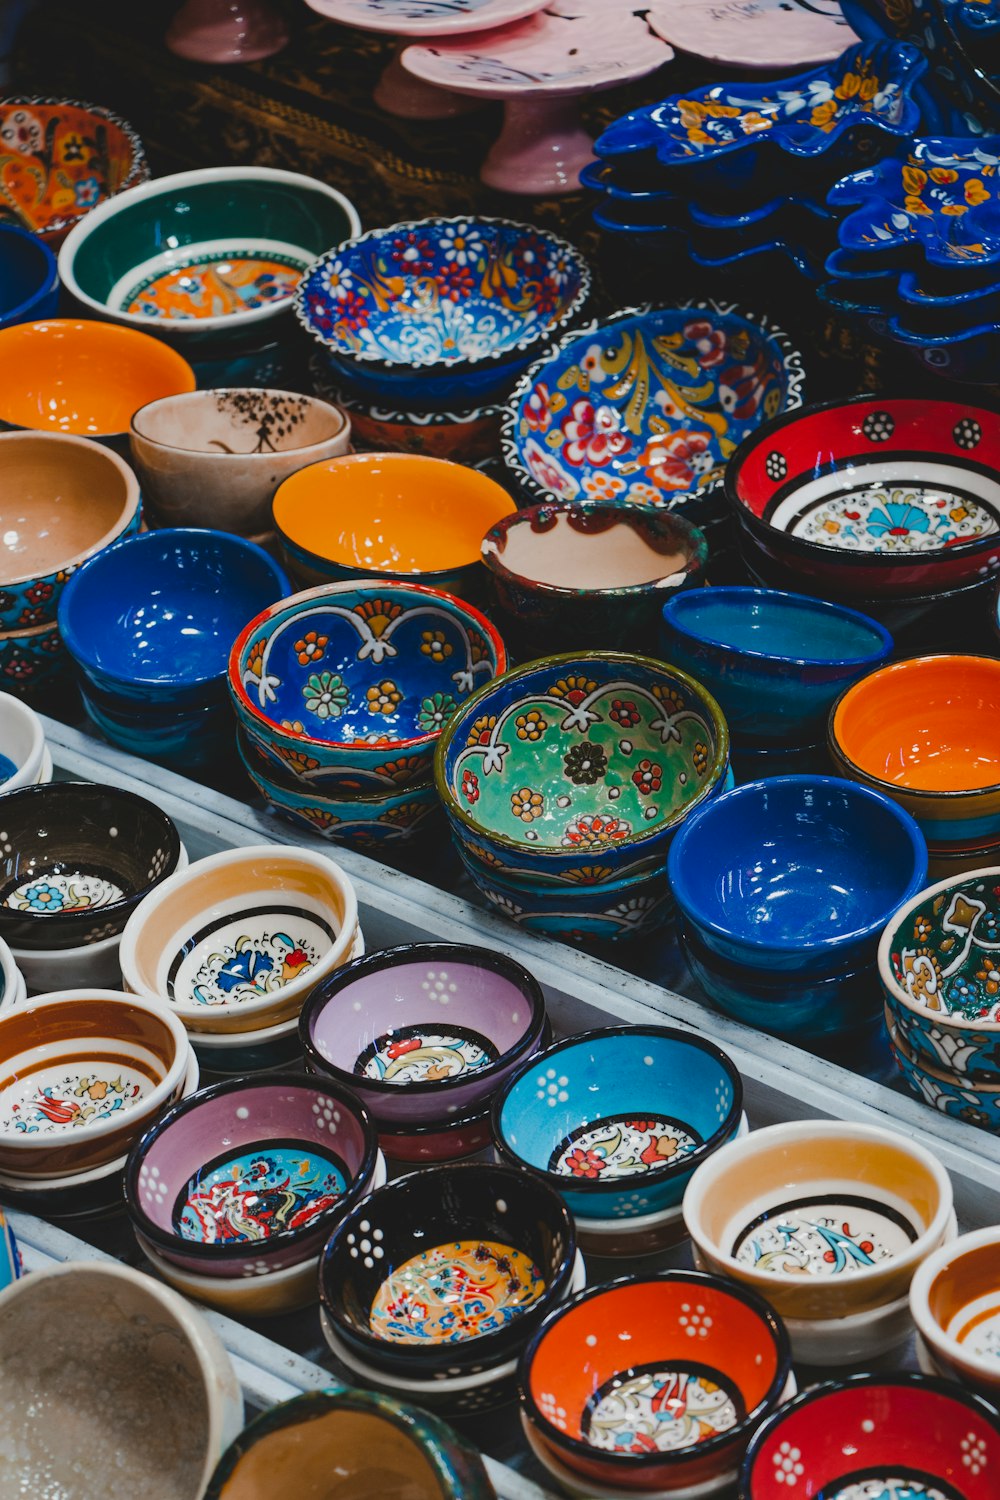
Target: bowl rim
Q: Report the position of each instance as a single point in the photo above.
(494, 357)
(631, 661)
(934, 1334)
(679, 1167)
(752, 942)
(11, 317)
(291, 796)
(937, 795)
(782, 599)
(186, 397)
(242, 1250)
(309, 597)
(403, 955)
(904, 1378)
(678, 1457)
(762, 323)
(178, 181)
(31, 767)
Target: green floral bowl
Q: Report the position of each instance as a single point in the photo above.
(579, 768)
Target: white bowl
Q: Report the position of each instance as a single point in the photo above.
(14, 988)
(965, 1345)
(22, 742)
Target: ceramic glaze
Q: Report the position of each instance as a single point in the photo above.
(454, 1292)
(614, 1147)
(944, 954)
(888, 517)
(977, 1329)
(51, 1100)
(363, 823)
(244, 957)
(211, 285)
(49, 892)
(893, 1487)
(657, 1409)
(423, 1054)
(568, 555)
(437, 17)
(767, 34)
(826, 1236)
(256, 1195)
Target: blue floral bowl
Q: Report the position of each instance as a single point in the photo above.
(616, 1120)
(649, 405)
(977, 1103)
(174, 736)
(346, 688)
(29, 281)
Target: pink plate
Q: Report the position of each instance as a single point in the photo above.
(425, 17)
(772, 34)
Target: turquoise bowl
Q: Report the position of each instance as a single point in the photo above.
(975, 1102)
(177, 737)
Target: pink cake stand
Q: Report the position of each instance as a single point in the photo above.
(540, 68)
(768, 34)
(226, 31)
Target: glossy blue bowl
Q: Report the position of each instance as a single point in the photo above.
(775, 662)
(618, 1119)
(175, 736)
(796, 874)
(152, 619)
(29, 280)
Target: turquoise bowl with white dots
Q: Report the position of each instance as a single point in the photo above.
(618, 1119)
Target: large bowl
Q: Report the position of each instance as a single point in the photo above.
(28, 275)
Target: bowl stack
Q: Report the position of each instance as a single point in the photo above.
(25, 758)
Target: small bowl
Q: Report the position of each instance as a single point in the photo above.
(64, 500)
(29, 276)
(157, 1389)
(215, 457)
(578, 576)
(424, 1032)
(178, 598)
(894, 1197)
(593, 911)
(796, 874)
(422, 1145)
(85, 1073)
(23, 759)
(181, 737)
(471, 1225)
(776, 662)
(616, 1120)
(272, 1294)
(955, 1301)
(394, 516)
(910, 1432)
(248, 1178)
(602, 1371)
(975, 1102)
(237, 941)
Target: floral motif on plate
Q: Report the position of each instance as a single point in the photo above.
(622, 1146)
(659, 1408)
(455, 1292)
(58, 893)
(826, 1236)
(893, 518)
(57, 160)
(425, 1054)
(276, 1188)
(246, 956)
(51, 1100)
(212, 286)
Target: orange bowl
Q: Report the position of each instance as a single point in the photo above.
(85, 378)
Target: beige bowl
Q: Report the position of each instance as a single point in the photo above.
(955, 1302)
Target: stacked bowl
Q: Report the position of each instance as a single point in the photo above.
(955, 1298)
(24, 756)
(28, 276)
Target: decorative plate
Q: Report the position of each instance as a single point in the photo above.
(767, 34)
(425, 17)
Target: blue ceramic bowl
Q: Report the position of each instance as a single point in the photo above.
(617, 1120)
(776, 662)
(796, 874)
(173, 736)
(29, 281)
(975, 1102)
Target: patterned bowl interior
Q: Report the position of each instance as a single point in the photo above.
(649, 405)
(59, 159)
(944, 952)
(443, 291)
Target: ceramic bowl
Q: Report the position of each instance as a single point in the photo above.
(599, 1406)
(575, 577)
(178, 598)
(12, 986)
(588, 1489)
(860, 1207)
(775, 662)
(215, 458)
(613, 911)
(63, 499)
(85, 1073)
(249, 1177)
(181, 737)
(647, 406)
(873, 496)
(346, 688)
(85, 378)
(919, 731)
(59, 159)
(29, 276)
(465, 435)
(580, 762)
(460, 1137)
(616, 1120)
(955, 1301)
(447, 1273)
(237, 941)
(157, 1388)
(76, 858)
(23, 756)
(902, 1432)
(425, 1032)
(976, 1102)
(274, 1295)
(397, 516)
(34, 665)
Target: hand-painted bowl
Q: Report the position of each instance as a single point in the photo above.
(873, 497)
(59, 159)
(423, 1145)
(923, 732)
(647, 406)
(35, 666)
(215, 458)
(950, 1093)
(62, 500)
(463, 434)
(84, 1073)
(656, 1383)
(955, 1301)
(393, 515)
(775, 662)
(587, 911)
(196, 255)
(85, 378)
(23, 756)
(616, 1120)
(822, 1218)
(249, 1177)
(28, 276)
(796, 874)
(881, 1434)
(346, 688)
(76, 859)
(578, 762)
(574, 577)
(152, 619)
(447, 1272)
(424, 1032)
(237, 941)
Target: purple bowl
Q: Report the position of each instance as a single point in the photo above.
(423, 1033)
(249, 1177)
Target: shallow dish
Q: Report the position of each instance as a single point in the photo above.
(29, 275)
(955, 1301)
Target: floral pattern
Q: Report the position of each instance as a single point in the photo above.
(59, 159)
(52, 894)
(835, 1237)
(455, 1292)
(585, 763)
(948, 957)
(325, 695)
(422, 1054)
(256, 1195)
(917, 518)
(50, 1102)
(435, 712)
(213, 285)
(660, 1410)
(622, 1146)
(247, 957)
